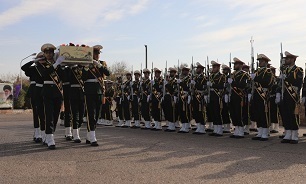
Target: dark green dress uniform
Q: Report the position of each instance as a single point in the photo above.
(274, 110)
(106, 112)
(77, 100)
(52, 97)
(289, 106)
(156, 96)
(246, 119)
(184, 104)
(119, 105)
(216, 104)
(145, 104)
(31, 72)
(93, 89)
(126, 103)
(225, 110)
(237, 101)
(198, 103)
(135, 103)
(169, 103)
(263, 82)
(67, 111)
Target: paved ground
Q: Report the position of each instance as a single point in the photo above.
(139, 156)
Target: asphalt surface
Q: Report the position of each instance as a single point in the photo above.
(140, 156)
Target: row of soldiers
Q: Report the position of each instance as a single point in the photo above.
(79, 87)
(240, 98)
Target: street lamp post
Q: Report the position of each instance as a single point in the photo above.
(20, 75)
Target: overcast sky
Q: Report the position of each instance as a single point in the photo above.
(172, 29)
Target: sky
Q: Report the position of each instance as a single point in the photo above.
(173, 29)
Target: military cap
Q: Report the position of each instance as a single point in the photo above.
(289, 55)
(225, 67)
(213, 63)
(137, 72)
(172, 69)
(198, 65)
(237, 60)
(156, 70)
(97, 47)
(263, 57)
(47, 46)
(146, 71)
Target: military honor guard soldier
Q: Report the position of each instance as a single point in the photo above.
(126, 100)
(145, 99)
(290, 101)
(226, 70)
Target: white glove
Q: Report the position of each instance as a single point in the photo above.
(230, 80)
(178, 81)
(138, 100)
(140, 83)
(189, 99)
(165, 82)
(58, 61)
(162, 99)
(120, 100)
(38, 59)
(175, 99)
(278, 97)
(148, 98)
(192, 82)
(282, 76)
(97, 64)
(252, 75)
(128, 97)
(122, 86)
(249, 97)
(206, 98)
(303, 100)
(209, 83)
(226, 98)
(152, 82)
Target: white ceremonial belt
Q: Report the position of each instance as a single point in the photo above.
(66, 83)
(39, 85)
(91, 80)
(48, 82)
(32, 82)
(75, 85)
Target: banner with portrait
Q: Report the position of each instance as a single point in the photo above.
(76, 55)
(6, 95)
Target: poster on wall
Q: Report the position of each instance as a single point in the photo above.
(6, 96)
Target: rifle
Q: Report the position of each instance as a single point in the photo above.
(191, 87)
(164, 84)
(230, 85)
(252, 67)
(208, 78)
(151, 85)
(178, 74)
(131, 85)
(140, 86)
(282, 71)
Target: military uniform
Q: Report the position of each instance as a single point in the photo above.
(184, 100)
(136, 100)
(106, 112)
(126, 103)
(119, 105)
(51, 92)
(169, 101)
(145, 98)
(156, 96)
(216, 82)
(198, 103)
(238, 82)
(263, 81)
(31, 72)
(246, 103)
(225, 100)
(289, 105)
(77, 100)
(274, 110)
(92, 76)
(67, 110)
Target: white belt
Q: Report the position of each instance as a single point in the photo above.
(66, 83)
(32, 82)
(75, 85)
(48, 82)
(91, 80)
(39, 85)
